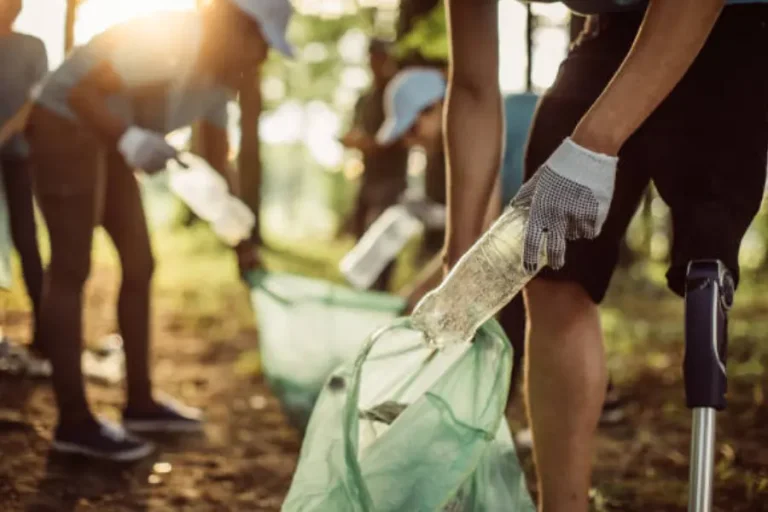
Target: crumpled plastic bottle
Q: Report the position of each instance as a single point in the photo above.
(483, 281)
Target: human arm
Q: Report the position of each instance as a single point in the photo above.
(670, 38)
(214, 148)
(570, 195)
(473, 106)
(667, 43)
(358, 139)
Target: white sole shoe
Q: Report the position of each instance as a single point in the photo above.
(132, 455)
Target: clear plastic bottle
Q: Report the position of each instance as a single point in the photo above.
(378, 246)
(235, 222)
(483, 281)
(207, 194)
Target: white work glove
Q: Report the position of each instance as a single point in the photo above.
(569, 197)
(144, 149)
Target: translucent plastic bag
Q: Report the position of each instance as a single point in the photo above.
(5, 241)
(413, 427)
(307, 329)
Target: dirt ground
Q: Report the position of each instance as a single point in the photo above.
(245, 460)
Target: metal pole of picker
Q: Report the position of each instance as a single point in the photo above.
(708, 298)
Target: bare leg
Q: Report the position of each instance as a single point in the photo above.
(21, 210)
(124, 221)
(566, 382)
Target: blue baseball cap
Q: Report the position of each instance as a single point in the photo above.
(273, 17)
(406, 96)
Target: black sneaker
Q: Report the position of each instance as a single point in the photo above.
(103, 440)
(170, 416)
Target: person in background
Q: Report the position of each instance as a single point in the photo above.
(384, 166)
(413, 106)
(23, 63)
(632, 103)
(98, 117)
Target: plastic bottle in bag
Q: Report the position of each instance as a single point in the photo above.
(379, 246)
(485, 279)
(207, 194)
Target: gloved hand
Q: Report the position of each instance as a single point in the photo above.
(569, 197)
(144, 149)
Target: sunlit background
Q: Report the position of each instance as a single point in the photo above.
(44, 19)
(303, 161)
(307, 124)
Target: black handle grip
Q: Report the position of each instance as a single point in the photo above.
(708, 297)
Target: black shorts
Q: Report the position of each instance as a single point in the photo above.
(704, 147)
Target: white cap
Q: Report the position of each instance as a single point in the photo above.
(407, 95)
(273, 17)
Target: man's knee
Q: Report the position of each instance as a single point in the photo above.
(549, 300)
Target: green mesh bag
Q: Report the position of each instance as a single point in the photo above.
(5, 241)
(307, 329)
(412, 428)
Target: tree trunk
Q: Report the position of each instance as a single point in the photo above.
(249, 159)
(69, 25)
(529, 30)
(195, 144)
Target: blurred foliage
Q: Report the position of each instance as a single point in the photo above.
(316, 74)
(428, 36)
(410, 12)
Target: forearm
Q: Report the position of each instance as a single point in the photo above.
(670, 38)
(494, 209)
(474, 121)
(361, 141)
(214, 148)
(473, 164)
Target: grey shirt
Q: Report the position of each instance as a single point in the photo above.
(156, 58)
(23, 63)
